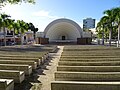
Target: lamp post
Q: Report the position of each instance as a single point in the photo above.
(116, 24)
(118, 36)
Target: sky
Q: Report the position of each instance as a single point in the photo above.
(45, 11)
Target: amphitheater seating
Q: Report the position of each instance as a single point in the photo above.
(89, 59)
(99, 63)
(75, 85)
(22, 59)
(16, 62)
(18, 76)
(87, 76)
(31, 63)
(26, 68)
(88, 68)
(6, 84)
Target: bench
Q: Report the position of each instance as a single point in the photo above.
(89, 59)
(6, 84)
(18, 76)
(26, 68)
(31, 63)
(99, 63)
(89, 68)
(87, 76)
(73, 85)
(22, 59)
(90, 54)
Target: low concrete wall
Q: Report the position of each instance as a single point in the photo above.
(89, 68)
(69, 85)
(31, 63)
(89, 59)
(87, 76)
(100, 63)
(80, 57)
(18, 76)
(6, 84)
(22, 59)
(26, 68)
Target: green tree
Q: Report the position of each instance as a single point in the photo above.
(17, 1)
(116, 15)
(109, 14)
(22, 28)
(5, 24)
(102, 27)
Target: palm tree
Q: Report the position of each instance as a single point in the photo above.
(116, 14)
(23, 27)
(5, 23)
(102, 26)
(109, 14)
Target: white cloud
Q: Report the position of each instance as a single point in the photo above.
(46, 14)
(41, 13)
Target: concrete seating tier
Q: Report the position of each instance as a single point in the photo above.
(87, 76)
(89, 68)
(6, 84)
(80, 57)
(22, 59)
(100, 63)
(74, 85)
(24, 56)
(73, 54)
(82, 47)
(31, 63)
(26, 68)
(89, 59)
(18, 76)
(91, 52)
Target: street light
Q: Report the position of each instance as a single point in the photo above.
(116, 24)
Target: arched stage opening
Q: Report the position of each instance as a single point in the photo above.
(63, 30)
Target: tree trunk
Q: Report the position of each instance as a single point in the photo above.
(4, 36)
(103, 38)
(21, 35)
(14, 35)
(110, 35)
(34, 37)
(118, 35)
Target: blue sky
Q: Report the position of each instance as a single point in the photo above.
(45, 11)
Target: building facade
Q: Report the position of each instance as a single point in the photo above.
(64, 30)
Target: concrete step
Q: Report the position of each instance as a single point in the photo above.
(26, 68)
(87, 76)
(22, 59)
(18, 76)
(99, 63)
(73, 85)
(31, 63)
(81, 57)
(89, 68)
(6, 84)
(89, 59)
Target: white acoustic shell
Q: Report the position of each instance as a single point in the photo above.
(60, 28)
